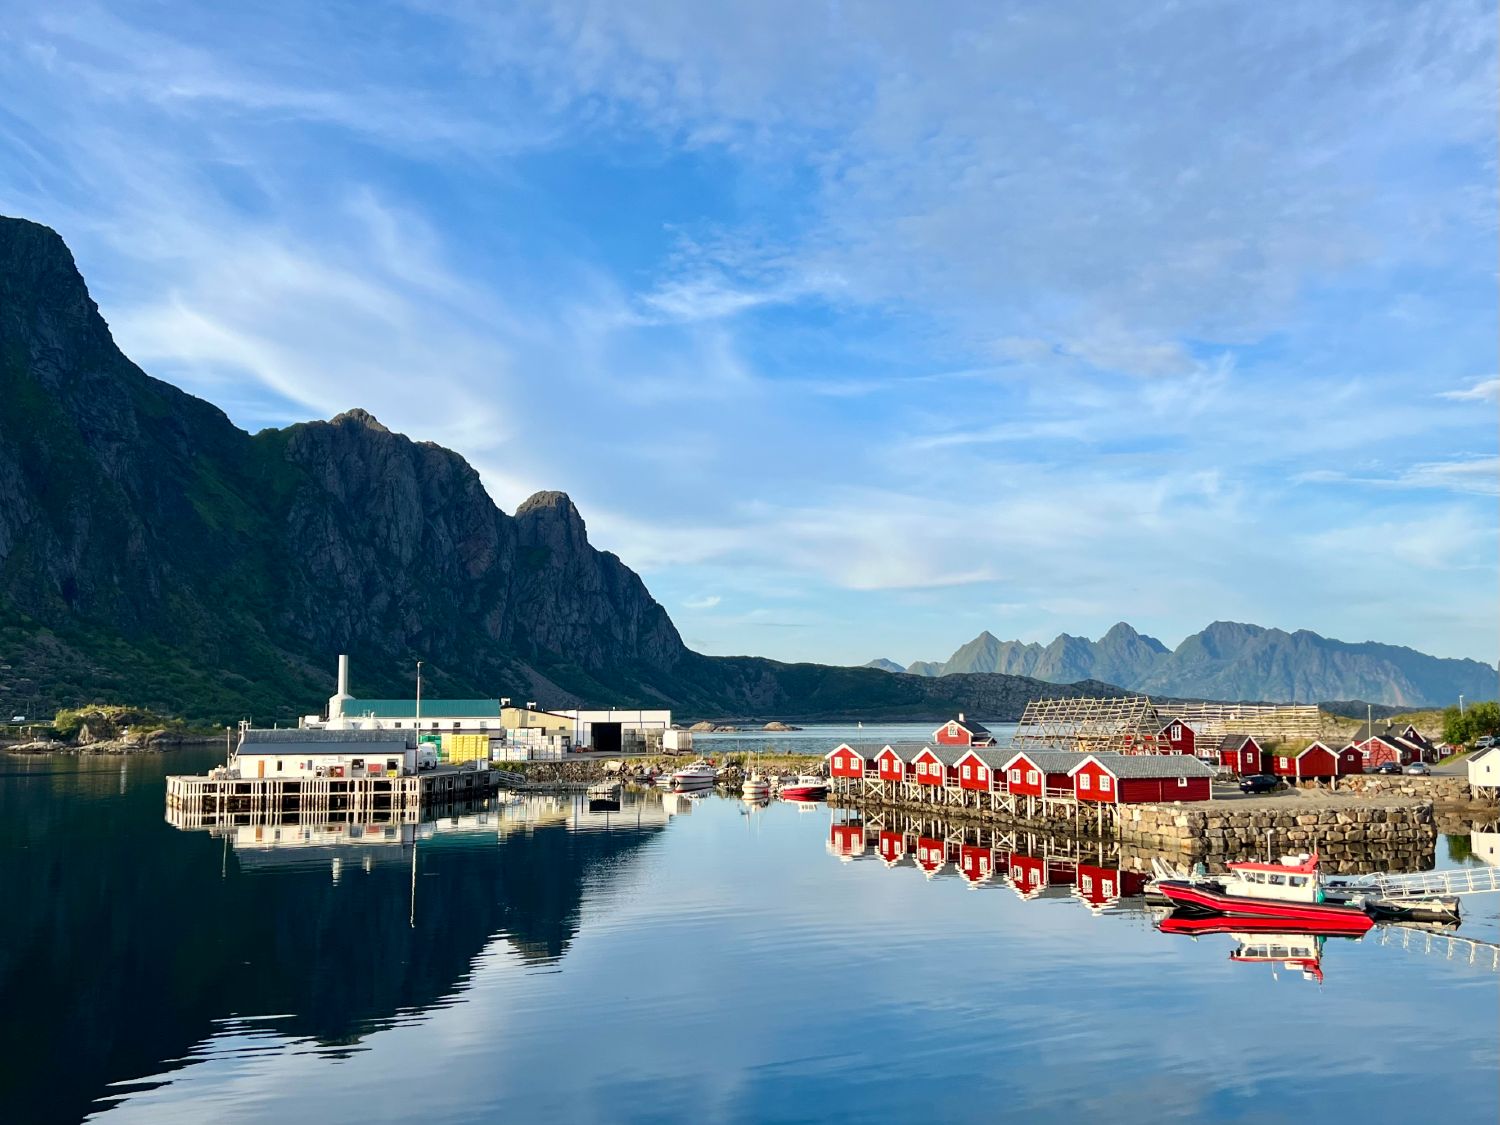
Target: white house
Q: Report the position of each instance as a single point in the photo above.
(324, 753)
(1484, 769)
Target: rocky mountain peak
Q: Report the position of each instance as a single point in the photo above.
(359, 416)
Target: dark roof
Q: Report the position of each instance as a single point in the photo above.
(1236, 741)
(1049, 761)
(906, 751)
(1169, 720)
(974, 729)
(989, 755)
(1152, 765)
(328, 741)
(948, 755)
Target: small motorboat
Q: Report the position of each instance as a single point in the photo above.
(755, 788)
(804, 787)
(1290, 892)
(699, 775)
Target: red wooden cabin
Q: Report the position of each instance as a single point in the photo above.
(963, 732)
(1033, 773)
(1387, 747)
(1176, 737)
(890, 764)
(934, 765)
(845, 761)
(979, 769)
(1318, 761)
(1131, 779)
(1241, 754)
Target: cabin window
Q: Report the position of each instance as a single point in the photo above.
(1176, 733)
(1031, 776)
(966, 772)
(1182, 783)
(1015, 775)
(1083, 781)
(1104, 784)
(1278, 881)
(278, 765)
(1298, 880)
(1107, 887)
(1086, 882)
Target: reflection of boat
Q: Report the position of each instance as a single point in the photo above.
(1290, 892)
(1263, 940)
(604, 791)
(804, 787)
(699, 775)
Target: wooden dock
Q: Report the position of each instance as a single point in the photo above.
(215, 796)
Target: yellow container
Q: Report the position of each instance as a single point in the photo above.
(466, 747)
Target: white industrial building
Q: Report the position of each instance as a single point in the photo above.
(547, 732)
(324, 753)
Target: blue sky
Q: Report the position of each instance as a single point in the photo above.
(856, 329)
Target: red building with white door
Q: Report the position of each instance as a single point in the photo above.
(1241, 754)
(977, 770)
(963, 732)
(1038, 773)
(1317, 762)
(1176, 737)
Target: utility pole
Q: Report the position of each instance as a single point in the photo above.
(1370, 718)
(419, 695)
(1460, 705)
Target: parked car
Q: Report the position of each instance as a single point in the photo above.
(1259, 783)
(1485, 743)
(1418, 769)
(1387, 767)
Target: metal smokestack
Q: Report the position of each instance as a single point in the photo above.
(343, 675)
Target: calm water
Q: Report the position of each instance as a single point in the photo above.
(543, 964)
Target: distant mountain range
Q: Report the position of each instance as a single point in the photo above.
(1229, 661)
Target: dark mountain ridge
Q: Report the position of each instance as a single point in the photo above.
(152, 551)
(1233, 661)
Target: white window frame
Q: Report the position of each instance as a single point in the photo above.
(1031, 777)
(1104, 780)
(1015, 775)
(1083, 781)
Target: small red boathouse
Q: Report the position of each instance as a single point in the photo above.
(963, 732)
(1132, 779)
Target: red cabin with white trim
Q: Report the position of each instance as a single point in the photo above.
(1132, 779)
(978, 769)
(1241, 754)
(845, 761)
(1176, 737)
(963, 732)
(1028, 875)
(931, 766)
(1035, 773)
(890, 765)
(1383, 748)
(1318, 761)
(1102, 886)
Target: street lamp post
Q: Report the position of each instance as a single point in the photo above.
(419, 695)
(1460, 705)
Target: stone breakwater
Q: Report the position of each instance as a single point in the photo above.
(1403, 832)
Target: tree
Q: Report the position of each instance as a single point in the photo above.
(1480, 719)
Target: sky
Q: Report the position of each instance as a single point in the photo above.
(856, 329)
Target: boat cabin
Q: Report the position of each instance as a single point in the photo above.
(1040, 773)
(1129, 779)
(963, 732)
(1302, 953)
(1293, 880)
(1241, 754)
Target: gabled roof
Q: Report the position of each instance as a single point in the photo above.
(1148, 765)
(1237, 742)
(1478, 754)
(1319, 745)
(904, 751)
(1166, 722)
(431, 708)
(948, 755)
(1048, 761)
(994, 759)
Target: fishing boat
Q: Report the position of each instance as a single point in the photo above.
(755, 788)
(699, 775)
(1290, 892)
(804, 787)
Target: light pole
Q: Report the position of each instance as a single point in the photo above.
(1460, 705)
(419, 695)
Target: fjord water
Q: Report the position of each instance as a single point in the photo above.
(539, 963)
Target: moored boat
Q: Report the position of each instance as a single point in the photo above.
(755, 788)
(804, 787)
(1289, 892)
(699, 775)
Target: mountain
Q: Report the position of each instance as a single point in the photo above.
(154, 553)
(884, 665)
(1233, 662)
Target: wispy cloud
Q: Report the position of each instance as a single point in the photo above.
(1483, 390)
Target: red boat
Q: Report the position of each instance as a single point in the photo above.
(1201, 925)
(805, 788)
(1291, 891)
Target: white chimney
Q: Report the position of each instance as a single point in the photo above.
(960, 716)
(337, 701)
(343, 674)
